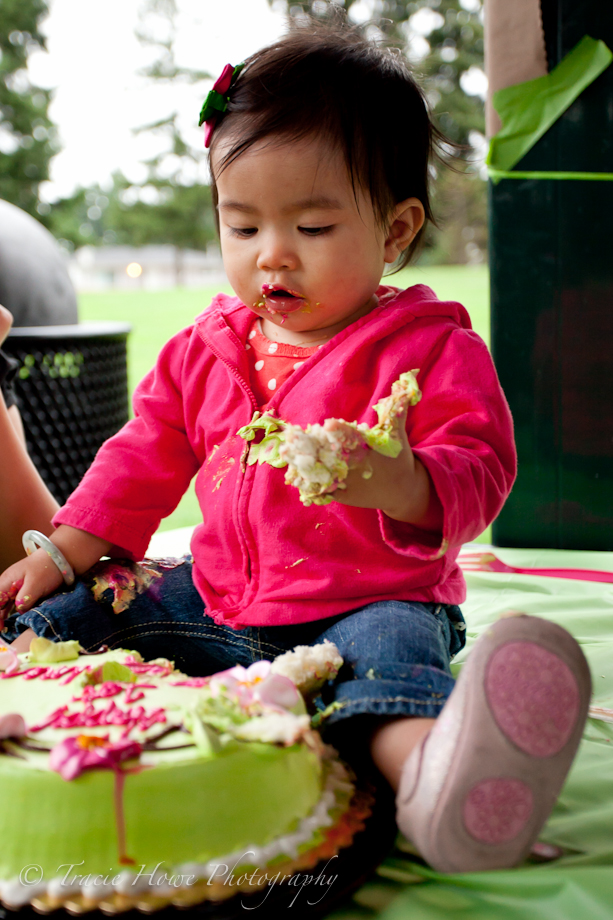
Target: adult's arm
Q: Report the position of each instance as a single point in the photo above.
(25, 501)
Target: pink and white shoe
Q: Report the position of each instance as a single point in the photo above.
(476, 792)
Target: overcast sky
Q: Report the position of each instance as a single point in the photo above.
(92, 63)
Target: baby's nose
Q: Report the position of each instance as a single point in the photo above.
(276, 254)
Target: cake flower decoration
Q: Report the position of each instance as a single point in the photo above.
(256, 686)
(72, 756)
(9, 662)
(216, 103)
(12, 726)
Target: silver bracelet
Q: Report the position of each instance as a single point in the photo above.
(34, 538)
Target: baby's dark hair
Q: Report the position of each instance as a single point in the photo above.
(330, 81)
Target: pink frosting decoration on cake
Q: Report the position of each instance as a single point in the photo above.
(108, 688)
(72, 756)
(64, 675)
(99, 691)
(147, 667)
(90, 717)
(192, 682)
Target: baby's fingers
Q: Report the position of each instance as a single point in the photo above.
(400, 425)
(41, 577)
(7, 598)
(26, 581)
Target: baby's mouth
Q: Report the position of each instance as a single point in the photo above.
(281, 300)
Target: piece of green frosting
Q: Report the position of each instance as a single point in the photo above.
(44, 650)
(111, 670)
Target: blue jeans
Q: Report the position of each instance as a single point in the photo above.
(396, 653)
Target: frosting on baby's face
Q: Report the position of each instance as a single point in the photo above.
(298, 249)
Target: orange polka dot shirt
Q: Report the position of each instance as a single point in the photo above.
(271, 363)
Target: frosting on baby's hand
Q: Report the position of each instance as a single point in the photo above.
(319, 457)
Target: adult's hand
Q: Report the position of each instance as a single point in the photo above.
(6, 321)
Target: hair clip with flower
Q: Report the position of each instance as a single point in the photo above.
(216, 103)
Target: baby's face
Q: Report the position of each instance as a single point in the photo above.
(297, 248)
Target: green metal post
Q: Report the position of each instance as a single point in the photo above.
(551, 260)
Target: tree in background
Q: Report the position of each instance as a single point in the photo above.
(443, 40)
(137, 215)
(27, 136)
(158, 31)
(171, 205)
(179, 204)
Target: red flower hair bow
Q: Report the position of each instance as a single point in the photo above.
(216, 103)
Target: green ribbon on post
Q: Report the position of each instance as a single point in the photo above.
(497, 174)
(527, 110)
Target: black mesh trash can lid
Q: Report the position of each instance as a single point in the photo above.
(76, 330)
(72, 391)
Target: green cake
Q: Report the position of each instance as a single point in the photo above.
(126, 783)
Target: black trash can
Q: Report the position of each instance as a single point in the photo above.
(72, 393)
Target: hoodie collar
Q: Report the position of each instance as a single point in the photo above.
(224, 326)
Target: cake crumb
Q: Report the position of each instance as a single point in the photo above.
(224, 467)
(309, 666)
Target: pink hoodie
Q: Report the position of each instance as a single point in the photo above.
(260, 557)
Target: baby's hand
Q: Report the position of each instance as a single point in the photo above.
(381, 482)
(25, 582)
(6, 321)
(399, 486)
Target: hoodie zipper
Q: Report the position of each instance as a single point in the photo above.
(248, 391)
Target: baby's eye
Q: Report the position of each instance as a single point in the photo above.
(316, 231)
(243, 232)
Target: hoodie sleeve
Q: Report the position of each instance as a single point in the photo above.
(462, 431)
(140, 474)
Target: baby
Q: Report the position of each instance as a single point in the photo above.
(320, 154)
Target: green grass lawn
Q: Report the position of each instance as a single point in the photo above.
(156, 315)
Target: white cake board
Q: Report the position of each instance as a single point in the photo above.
(170, 543)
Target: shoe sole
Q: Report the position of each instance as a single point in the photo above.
(501, 749)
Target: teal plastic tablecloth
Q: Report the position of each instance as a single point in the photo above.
(579, 883)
